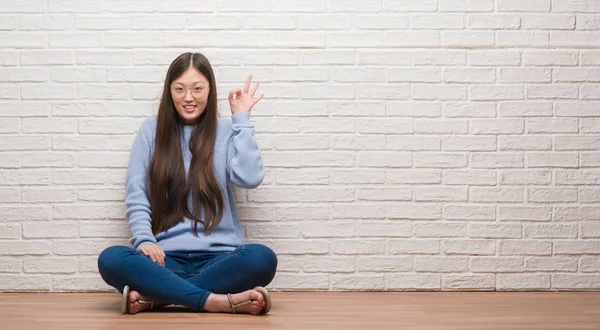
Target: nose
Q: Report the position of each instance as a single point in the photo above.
(188, 95)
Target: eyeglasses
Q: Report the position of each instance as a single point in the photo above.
(197, 91)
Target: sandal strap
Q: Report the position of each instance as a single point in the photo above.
(234, 306)
(151, 302)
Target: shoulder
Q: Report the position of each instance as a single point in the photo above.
(148, 126)
(224, 125)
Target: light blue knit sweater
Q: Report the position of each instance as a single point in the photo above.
(237, 160)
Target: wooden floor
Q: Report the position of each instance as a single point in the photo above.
(318, 310)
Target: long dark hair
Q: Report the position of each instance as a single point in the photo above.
(168, 185)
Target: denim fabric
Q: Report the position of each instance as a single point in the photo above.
(188, 277)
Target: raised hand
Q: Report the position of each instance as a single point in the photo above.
(243, 100)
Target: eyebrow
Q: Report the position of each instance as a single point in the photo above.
(195, 82)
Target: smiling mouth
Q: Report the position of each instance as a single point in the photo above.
(189, 108)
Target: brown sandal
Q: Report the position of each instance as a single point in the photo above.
(266, 296)
(125, 301)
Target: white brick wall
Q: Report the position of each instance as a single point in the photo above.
(409, 144)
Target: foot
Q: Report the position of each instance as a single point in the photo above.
(135, 306)
(220, 303)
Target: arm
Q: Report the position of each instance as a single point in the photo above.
(136, 195)
(244, 162)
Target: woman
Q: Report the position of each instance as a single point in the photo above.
(187, 242)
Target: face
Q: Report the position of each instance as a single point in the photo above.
(190, 95)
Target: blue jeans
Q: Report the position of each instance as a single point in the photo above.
(188, 277)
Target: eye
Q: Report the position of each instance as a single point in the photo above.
(179, 89)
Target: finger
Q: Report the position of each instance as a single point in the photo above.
(247, 84)
(258, 99)
(254, 89)
(151, 255)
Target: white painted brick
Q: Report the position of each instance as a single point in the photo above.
(359, 39)
(49, 125)
(295, 39)
(25, 142)
(104, 230)
(490, 195)
(577, 143)
(505, 282)
(385, 194)
(28, 177)
(23, 75)
(467, 38)
(497, 160)
(86, 247)
(70, 283)
(440, 57)
(496, 93)
(49, 159)
(413, 211)
(475, 75)
(439, 92)
(74, 211)
(362, 246)
(85, 22)
(383, 159)
(590, 92)
(413, 176)
(493, 21)
(23, 39)
(325, 92)
(437, 126)
(470, 177)
(29, 247)
(471, 282)
(466, 5)
(496, 265)
(328, 264)
(303, 176)
(524, 213)
(469, 247)
(524, 75)
(357, 211)
(306, 194)
(357, 282)
(337, 229)
(524, 109)
(574, 282)
(469, 212)
(357, 75)
(581, 213)
(413, 246)
(302, 6)
(575, 6)
(299, 74)
(55, 92)
(589, 195)
(384, 229)
(20, 283)
(591, 125)
(10, 265)
(532, 5)
(439, 230)
(469, 143)
(357, 177)
(48, 195)
(9, 58)
(384, 126)
(410, 5)
(485, 230)
(412, 39)
(413, 143)
(525, 247)
(545, 264)
(576, 247)
(437, 21)
(588, 230)
(103, 159)
(554, 159)
(272, 230)
(549, 22)
(359, 109)
(74, 40)
(104, 57)
(549, 58)
(441, 264)
(506, 57)
(300, 282)
(589, 264)
(413, 282)
(328, 158)
(50, 265)
(455, 194)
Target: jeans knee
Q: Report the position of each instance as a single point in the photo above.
(110, 258)
(265, 260)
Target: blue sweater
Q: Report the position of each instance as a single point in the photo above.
(237, 160)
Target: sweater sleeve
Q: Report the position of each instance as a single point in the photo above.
(136, 194)
(244, 162)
